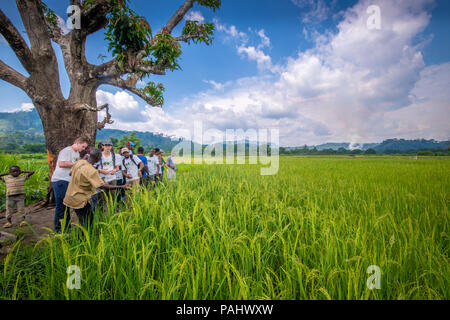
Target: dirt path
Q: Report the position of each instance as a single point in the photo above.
(38, 218)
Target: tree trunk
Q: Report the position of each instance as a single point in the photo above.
(62, 124)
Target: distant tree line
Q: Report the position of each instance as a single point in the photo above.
(342, 151)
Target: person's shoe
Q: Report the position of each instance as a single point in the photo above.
(7, 225)
(23, 224)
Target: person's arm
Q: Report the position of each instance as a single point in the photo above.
(125, 174)
(66, 164)
(116, 169)
(111, 187)
(4, 174)
(29, 173)
(65, 160)
(103, 171)
(141, 166)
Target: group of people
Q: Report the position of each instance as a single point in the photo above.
(85, 176)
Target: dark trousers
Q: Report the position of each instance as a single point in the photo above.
(121, 192)
(61, 211)
(85, 216)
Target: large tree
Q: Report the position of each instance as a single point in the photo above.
(137, 53)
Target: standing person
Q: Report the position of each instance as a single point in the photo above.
(162, 164)
(119, 175)
(15, 193)
(61, 178)
(83, 185)
(153, 166)
(145, 172)
(171, 167)
(132, 167)
(108, 168)
(130, 146)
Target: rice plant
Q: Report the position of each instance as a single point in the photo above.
(226, 232)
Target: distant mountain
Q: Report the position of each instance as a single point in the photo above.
(334, 146)
(20, 121)
(387, 146)
(148, 139)
(25, 127)
(410, 145)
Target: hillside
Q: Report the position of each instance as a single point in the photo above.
(20, 121)
(25, 127)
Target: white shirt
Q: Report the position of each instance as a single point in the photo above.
(152, 165)
(132, 168)
(108, 164)
(119, 175)
(63, 174)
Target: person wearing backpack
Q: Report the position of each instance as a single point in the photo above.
(119, 176)
(131, 168)
(108, 167)
(154, 166)
(144, 171)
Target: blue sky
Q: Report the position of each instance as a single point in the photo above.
(310, 68)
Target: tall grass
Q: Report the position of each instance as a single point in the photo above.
(225, 232)
(36, 186)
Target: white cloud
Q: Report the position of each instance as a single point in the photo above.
(357, 85)
(62, 25)
(122, 105)
(216, 85)
(195, 16)
(263, 61)
(265, 41)
(315, 11)
(253, 53)
(26, 106)
(231, 31)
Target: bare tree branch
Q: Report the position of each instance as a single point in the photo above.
(16, 42)
(35, 25)
(188, 36)
(177, 17)
(86, 107)
(106, 120)
(143, 68)
(75, 3)
(93, 18)
(130, 85)
(10, 75)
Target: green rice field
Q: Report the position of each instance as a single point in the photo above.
(226, 232)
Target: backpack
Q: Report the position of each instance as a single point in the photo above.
(113, 159)
(132, 159)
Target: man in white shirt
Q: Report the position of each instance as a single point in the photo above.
(171, 167)
(154, 165)
(61, 178)
(108, 166)
(131, 168)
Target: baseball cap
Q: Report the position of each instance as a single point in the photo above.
(107, 142)
(125, 150)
